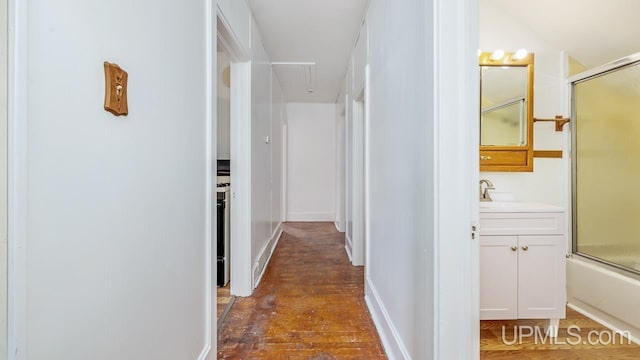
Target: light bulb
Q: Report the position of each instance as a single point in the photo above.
(520, 54)
(497, 55)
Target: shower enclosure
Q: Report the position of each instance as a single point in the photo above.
(606, 164)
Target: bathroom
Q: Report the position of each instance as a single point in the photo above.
(600, 283)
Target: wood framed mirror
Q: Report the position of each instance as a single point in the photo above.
(506, 111)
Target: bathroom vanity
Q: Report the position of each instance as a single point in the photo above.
(522, 261)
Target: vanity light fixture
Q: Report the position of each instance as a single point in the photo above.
(520, 54)
(497, 55)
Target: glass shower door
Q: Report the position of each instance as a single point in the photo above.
(606, 166)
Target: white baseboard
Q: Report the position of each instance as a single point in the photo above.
(204, 355)
(265, 255)
(391, 341)
(310, 216)
(348, 246)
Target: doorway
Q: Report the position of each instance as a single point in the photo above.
(358, 203)
(223, 183)
(238, 162)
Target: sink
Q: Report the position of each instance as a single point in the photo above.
(500, 204)
(515, 206)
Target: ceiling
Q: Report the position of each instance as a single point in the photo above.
(309, 31)
(320, 34)
(593, 32)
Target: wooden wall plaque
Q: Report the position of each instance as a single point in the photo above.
(115, 95)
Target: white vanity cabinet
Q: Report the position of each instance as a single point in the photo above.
(522, 262)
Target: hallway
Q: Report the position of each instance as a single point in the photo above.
(309, 305)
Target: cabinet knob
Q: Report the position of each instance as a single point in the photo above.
(514, 248)
(485, 157)
(525, 248)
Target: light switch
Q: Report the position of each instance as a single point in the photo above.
(115, 95)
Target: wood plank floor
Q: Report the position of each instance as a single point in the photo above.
(574, 344)
(223, 299)
(309, 304)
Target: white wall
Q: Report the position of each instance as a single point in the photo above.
(401, 177)
(548, 182)
(422, 172)
(359, 61)
(3, 180)
(311, 154)
(116, 225)
(223, 119)
(238, 15)
(278, 108)
(266, 182)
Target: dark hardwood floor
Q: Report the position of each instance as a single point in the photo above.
(309, 305)
(223, 299)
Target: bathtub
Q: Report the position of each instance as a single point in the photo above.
(607, 295)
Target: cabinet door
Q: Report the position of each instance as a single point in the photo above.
(498, 277)
(541, 277)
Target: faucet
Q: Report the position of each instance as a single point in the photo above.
(484, 193)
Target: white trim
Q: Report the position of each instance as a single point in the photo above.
(455, 140)
(338, 178)
(367, 171)
(357, 195)
(264, 258)
(566, 151)
(206, 352)
(391, 340)
(348, 160)
(311, 216)
(241, 284)
(240, 104)
(348, 246)
(210, 220)
(17, 181)
(229, 40)
(285, 159)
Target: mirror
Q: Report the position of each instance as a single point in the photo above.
(506, 111)
(503, 106)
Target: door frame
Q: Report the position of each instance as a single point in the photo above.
(17, 176)
(358, 178)
(367, 173)
(240, 130)
(455, 32)
(4, 167)
(210, 218)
